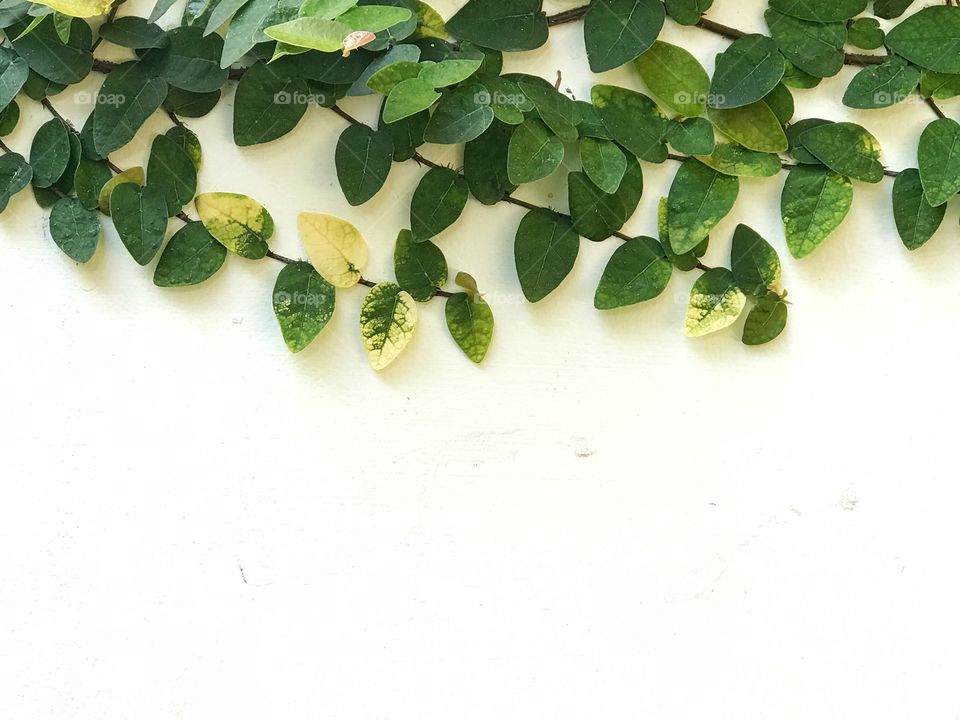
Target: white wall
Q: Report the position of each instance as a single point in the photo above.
(604, 520)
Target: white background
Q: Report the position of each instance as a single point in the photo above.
(604, 520)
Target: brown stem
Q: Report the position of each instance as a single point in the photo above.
(936, 108)
(567, 16)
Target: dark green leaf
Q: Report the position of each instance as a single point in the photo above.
(820, 11)
(140, 217)
(865, 33)
(128, 97)
(485, 164)
(765, 321)
(14, 72)
(617, 31)
(9, 117)
(50, 153)
(939, 158)
(746, 71)
(687, 12)
(603, 162)
(754, 262)
(595, 214)
(171, 171)
(267, 105)
(815, 48)
(633, 120)
(882, 85)
(794, 131)
(780, 101)
(189, 142)
(700, 197)
(693, 136)
(64, 63)
(461, 115)
(189, 104)
(930, 39)
(74, 228)
(534, 152)
(303, 303)
(133, 32)
(419, 266)
(554, 108)
(191, 61)
(15, 175)
(89, 180)
(917, 220)
(437, 202)
(846, 148)
(637, 271)
(363, 159)
(64, 185)
(545, 251)
(890, 9)
(407, 134)
(511, 25)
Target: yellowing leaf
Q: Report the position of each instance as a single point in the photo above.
(239, 222)
(388, 318)
(130, 175)
(78, 8)
(335, 247)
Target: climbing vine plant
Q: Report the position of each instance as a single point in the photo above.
(441, 82)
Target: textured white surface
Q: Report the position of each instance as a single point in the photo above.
(605, 520)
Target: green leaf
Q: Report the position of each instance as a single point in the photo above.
(461, 115)
(437, 202)
(631, 187)
(310, 32)
(534, 153)
(140, 217)
(595, 214)
(603, 162)
(374, 18)
(189, 104)
(846, 148)
(700, 197)
(509, 26)
(189, 142)
(765, 321)
(865, 33)
(395, 33)
(406, 134)
(939, 158)
(74, 228)
(634, 121)
(637, 271)
(930, 39)
(617, 31)
(192, 256)
(555, 109)
(239, 222)
(65, 184)
(401, 53)
(882, 85)
(755, 265)
(388, 318)
(15, 175)
(134, 175)
(449, 72)
(795, 131)
(755, 126)
(62, 24)
(408, 98)
(485, 164)
(693, 136)
(220, 12)
(127, 99)
(363, 159)
(50, 153)
(740, 162)
(64, 63)
(815, 48)
(89, 179)
(589, 123)
(508, 101)
(715, 303)
(160, 9)
(191, 61)
(303, 303)
(387, 78)
(420, 267)
(545, 251)
(917, 220)
(133, 32)
(746, 72)
(889, 9)
(815, 201)
(268, 104)
(171, 171)
(686, 261)
(14, 72)
(470, 322)
(245, 30)
(939, 86)
(780, 101)
(687, 12)
(794, 77)
(820, 11)
(9, 117)
(676, 77)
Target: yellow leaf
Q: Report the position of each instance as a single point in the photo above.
(335, 247)
(388, 318)
(240, 223)
(78, 8)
